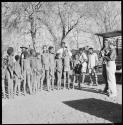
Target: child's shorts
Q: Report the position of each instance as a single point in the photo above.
(84, 67)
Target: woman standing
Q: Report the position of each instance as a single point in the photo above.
(110, 69)
(104, 52)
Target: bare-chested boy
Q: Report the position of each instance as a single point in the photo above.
(59, 68)
(4, 69)
(10, 65)
(45, 63)
(40, 71)
(33, 64)
(66, 68)
(52, 65)
(17, 74)
(27, 72)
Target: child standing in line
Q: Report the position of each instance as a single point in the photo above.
(10, 65)
(27, 72)
(45, 63)
(4, 69)
(17, 74)
(39, 71)
(76, 69)
(33, 64)
(83, 59)
(59, 68)
(66, 68)
(52, 65)
(92, 63)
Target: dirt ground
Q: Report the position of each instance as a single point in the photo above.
(87, 105)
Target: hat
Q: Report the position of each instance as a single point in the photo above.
(23, 47)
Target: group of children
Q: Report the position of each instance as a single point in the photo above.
(30, 69)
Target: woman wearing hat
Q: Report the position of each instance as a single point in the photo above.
(110, 69)
(104, 52)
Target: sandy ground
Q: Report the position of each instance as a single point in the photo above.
(87, 105)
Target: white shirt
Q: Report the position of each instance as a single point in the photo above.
(83, 57)
(62, 50)
(92, 60)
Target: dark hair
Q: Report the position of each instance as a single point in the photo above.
(57, 54)
(90, 48)
(32, 51)
(10, 50)
(80, 49)
(50, 47)
(26, 54)
(17, 57)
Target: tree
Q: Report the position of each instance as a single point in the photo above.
(22, 17)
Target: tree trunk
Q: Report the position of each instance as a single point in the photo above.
(33, 35)
(33, 31)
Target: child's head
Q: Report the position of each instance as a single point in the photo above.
(32, 52)
(76, 56)
(62, 44)
(38, 55)
(17, 57)
(58, 56)
(91, 50)
(51, 49)
(66, 52)
(45, 48)
(26, 55)
(10, 51)
(80, 50)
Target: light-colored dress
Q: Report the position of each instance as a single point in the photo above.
(82, 58)
(111, 69)
(92, 61)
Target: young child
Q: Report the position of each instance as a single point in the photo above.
(4, 69)
(40, 71)
(92, 63)
(27, 72)
(59, 68)
(66, 68)
(17, 74)
(83, 59)
(45, 63)
(33, 64)
(76, 69)
(52, 65)
(10, 65)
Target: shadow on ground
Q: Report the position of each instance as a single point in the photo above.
(99, 108)
(88, 89)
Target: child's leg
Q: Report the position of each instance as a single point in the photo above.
(16, 85)
(29, 83)
(83, 77)
(64, 79)
(3, 88)
(53, 79)
(35, 82)
(74, 78)
(24, 83)
(60, 76)
(96, 78)
(11, 88)
(68, 77)
(48, 80)
(38, 82)
(42, 79)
